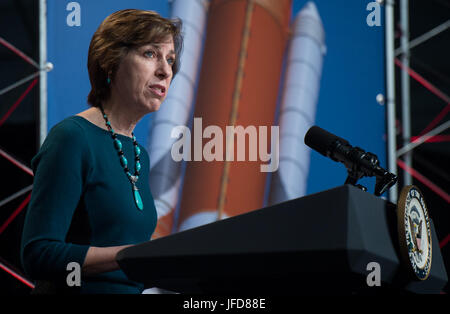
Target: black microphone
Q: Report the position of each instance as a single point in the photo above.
(358, 162)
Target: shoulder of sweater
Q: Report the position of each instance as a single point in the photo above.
(68, 132)
(66, 136)
(69, 124)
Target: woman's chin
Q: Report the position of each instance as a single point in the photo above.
(155, 107)
(152, 107)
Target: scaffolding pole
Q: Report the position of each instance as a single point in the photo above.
(43, 71)
(390, 95)
(405, 88)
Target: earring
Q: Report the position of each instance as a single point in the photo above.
(108, 80)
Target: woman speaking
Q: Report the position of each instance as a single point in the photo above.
(91, 195)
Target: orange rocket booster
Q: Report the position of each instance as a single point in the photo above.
(239, 85)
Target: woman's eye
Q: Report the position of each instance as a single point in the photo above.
(171, 61)
(150, 53)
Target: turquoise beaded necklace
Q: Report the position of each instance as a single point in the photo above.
(124, 162)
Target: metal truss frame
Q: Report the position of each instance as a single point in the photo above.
(400, 57)
(41, 75)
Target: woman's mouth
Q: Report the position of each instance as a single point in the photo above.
(158, 90)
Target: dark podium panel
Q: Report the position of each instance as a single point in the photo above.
(317, 244)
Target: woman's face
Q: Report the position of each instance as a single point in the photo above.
(144, 76)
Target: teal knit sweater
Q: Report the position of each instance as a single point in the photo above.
(82, 197)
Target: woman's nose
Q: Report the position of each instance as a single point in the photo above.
(163, 69)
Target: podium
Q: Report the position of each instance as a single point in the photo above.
(318, 244)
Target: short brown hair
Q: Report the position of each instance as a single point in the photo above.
(119, 32)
